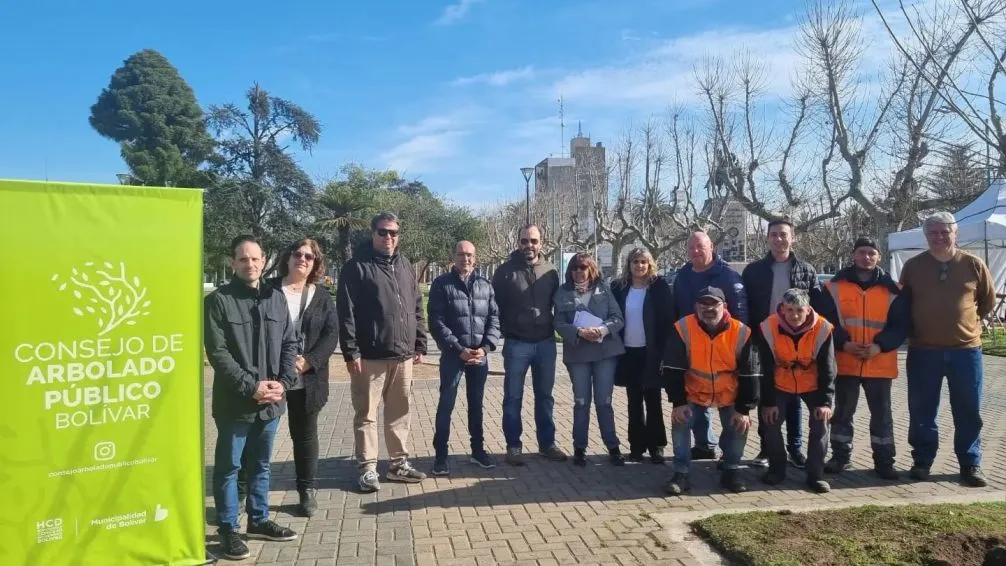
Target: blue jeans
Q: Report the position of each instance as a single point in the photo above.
(595, 379)
(451, 370)
(517, 358)
(926, 369)
(231, 440)
(731, 441)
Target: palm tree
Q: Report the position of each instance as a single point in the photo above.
(344, 203)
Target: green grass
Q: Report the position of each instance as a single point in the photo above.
(994, 343)
(905, 534)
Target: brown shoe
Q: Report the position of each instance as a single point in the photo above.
(514, 457)
(553, 453)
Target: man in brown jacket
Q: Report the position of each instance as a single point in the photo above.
(951, 291)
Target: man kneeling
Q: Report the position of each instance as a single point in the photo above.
(710, 362)
(799, 360)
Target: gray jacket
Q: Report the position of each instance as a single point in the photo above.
(600, 302)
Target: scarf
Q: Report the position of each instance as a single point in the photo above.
(581, 288)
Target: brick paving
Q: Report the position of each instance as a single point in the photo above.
(555, 513)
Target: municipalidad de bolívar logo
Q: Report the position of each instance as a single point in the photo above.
(105, 293)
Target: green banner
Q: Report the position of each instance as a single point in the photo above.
(101, 462)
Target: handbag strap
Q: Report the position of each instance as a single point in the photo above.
(303, 307)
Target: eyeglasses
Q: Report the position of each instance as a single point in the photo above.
(710, 303)
(305, 256)
(384, 233)
(531, 241)
(944, 271)
(579, 268)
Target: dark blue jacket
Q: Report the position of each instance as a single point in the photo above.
(688, 283)
(463, 314)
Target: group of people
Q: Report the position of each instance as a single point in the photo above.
(770, 340)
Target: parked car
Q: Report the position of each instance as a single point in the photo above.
(824, 277)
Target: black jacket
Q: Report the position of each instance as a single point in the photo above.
(380, 308)
(757, 279)
(319, 337)
(827, 369)
(463, 314)
(524, 294)
(899, 316)
(749, 372)
(248, 338)
(658, 319)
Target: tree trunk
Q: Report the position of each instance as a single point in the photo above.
(345, 246)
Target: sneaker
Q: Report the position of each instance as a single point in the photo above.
(818, 486)
(919, 472)
(886, 471)
(514, 457)
(836, 465)
(554, 454)
(798, 460)
(730, 479)
(440, 467)
(973, 476)
(232, 547)
(370, 482)
(616, 457)
(657, 456)
(760, 461)
(580, 457)
(678, 484)
(703, 453)
(404, 472)
(308, 502)
(483, 459)
(269, 530)
(773, 478)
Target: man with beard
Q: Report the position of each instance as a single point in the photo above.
(524, 287)
(871, 317)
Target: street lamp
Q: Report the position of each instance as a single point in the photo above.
(527, 172)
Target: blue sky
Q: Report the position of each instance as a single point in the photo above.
(457, 93)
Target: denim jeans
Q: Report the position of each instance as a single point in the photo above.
(231, 440)
(517, 358)
(731, 441)
(817, 445)
(926, 369)
(451, 370)
(597, 380)
(304, 434)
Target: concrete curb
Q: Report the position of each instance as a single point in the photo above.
(676, 525)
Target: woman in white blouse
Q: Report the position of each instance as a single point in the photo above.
(648, 306)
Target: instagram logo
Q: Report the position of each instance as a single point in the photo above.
(104, 451)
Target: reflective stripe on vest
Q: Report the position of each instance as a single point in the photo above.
(711, 378)
(863, 314)
(796, 364)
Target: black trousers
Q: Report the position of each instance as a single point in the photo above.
(304, 433)
(878, 399)
(646, 416)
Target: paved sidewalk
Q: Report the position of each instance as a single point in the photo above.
(549, 513)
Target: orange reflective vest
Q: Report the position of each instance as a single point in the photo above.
(863, 315)
(711, 378)
(796, 364)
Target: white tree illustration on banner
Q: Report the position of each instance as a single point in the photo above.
(105, 293)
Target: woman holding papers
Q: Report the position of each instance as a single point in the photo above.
(588, 319)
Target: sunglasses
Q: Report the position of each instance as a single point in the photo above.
(305, 256)
(944, 271)
(579, 268)
(384, 233)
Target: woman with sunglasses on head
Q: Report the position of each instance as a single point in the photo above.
(646, 301)
(588, 319)
(300, 268)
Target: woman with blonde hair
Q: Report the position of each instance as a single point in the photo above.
(588, 319)
(648, 307)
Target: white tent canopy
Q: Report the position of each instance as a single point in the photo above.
(981, 230)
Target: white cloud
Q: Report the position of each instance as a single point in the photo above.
(499, 78)
(456, 12)
(431, 140)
